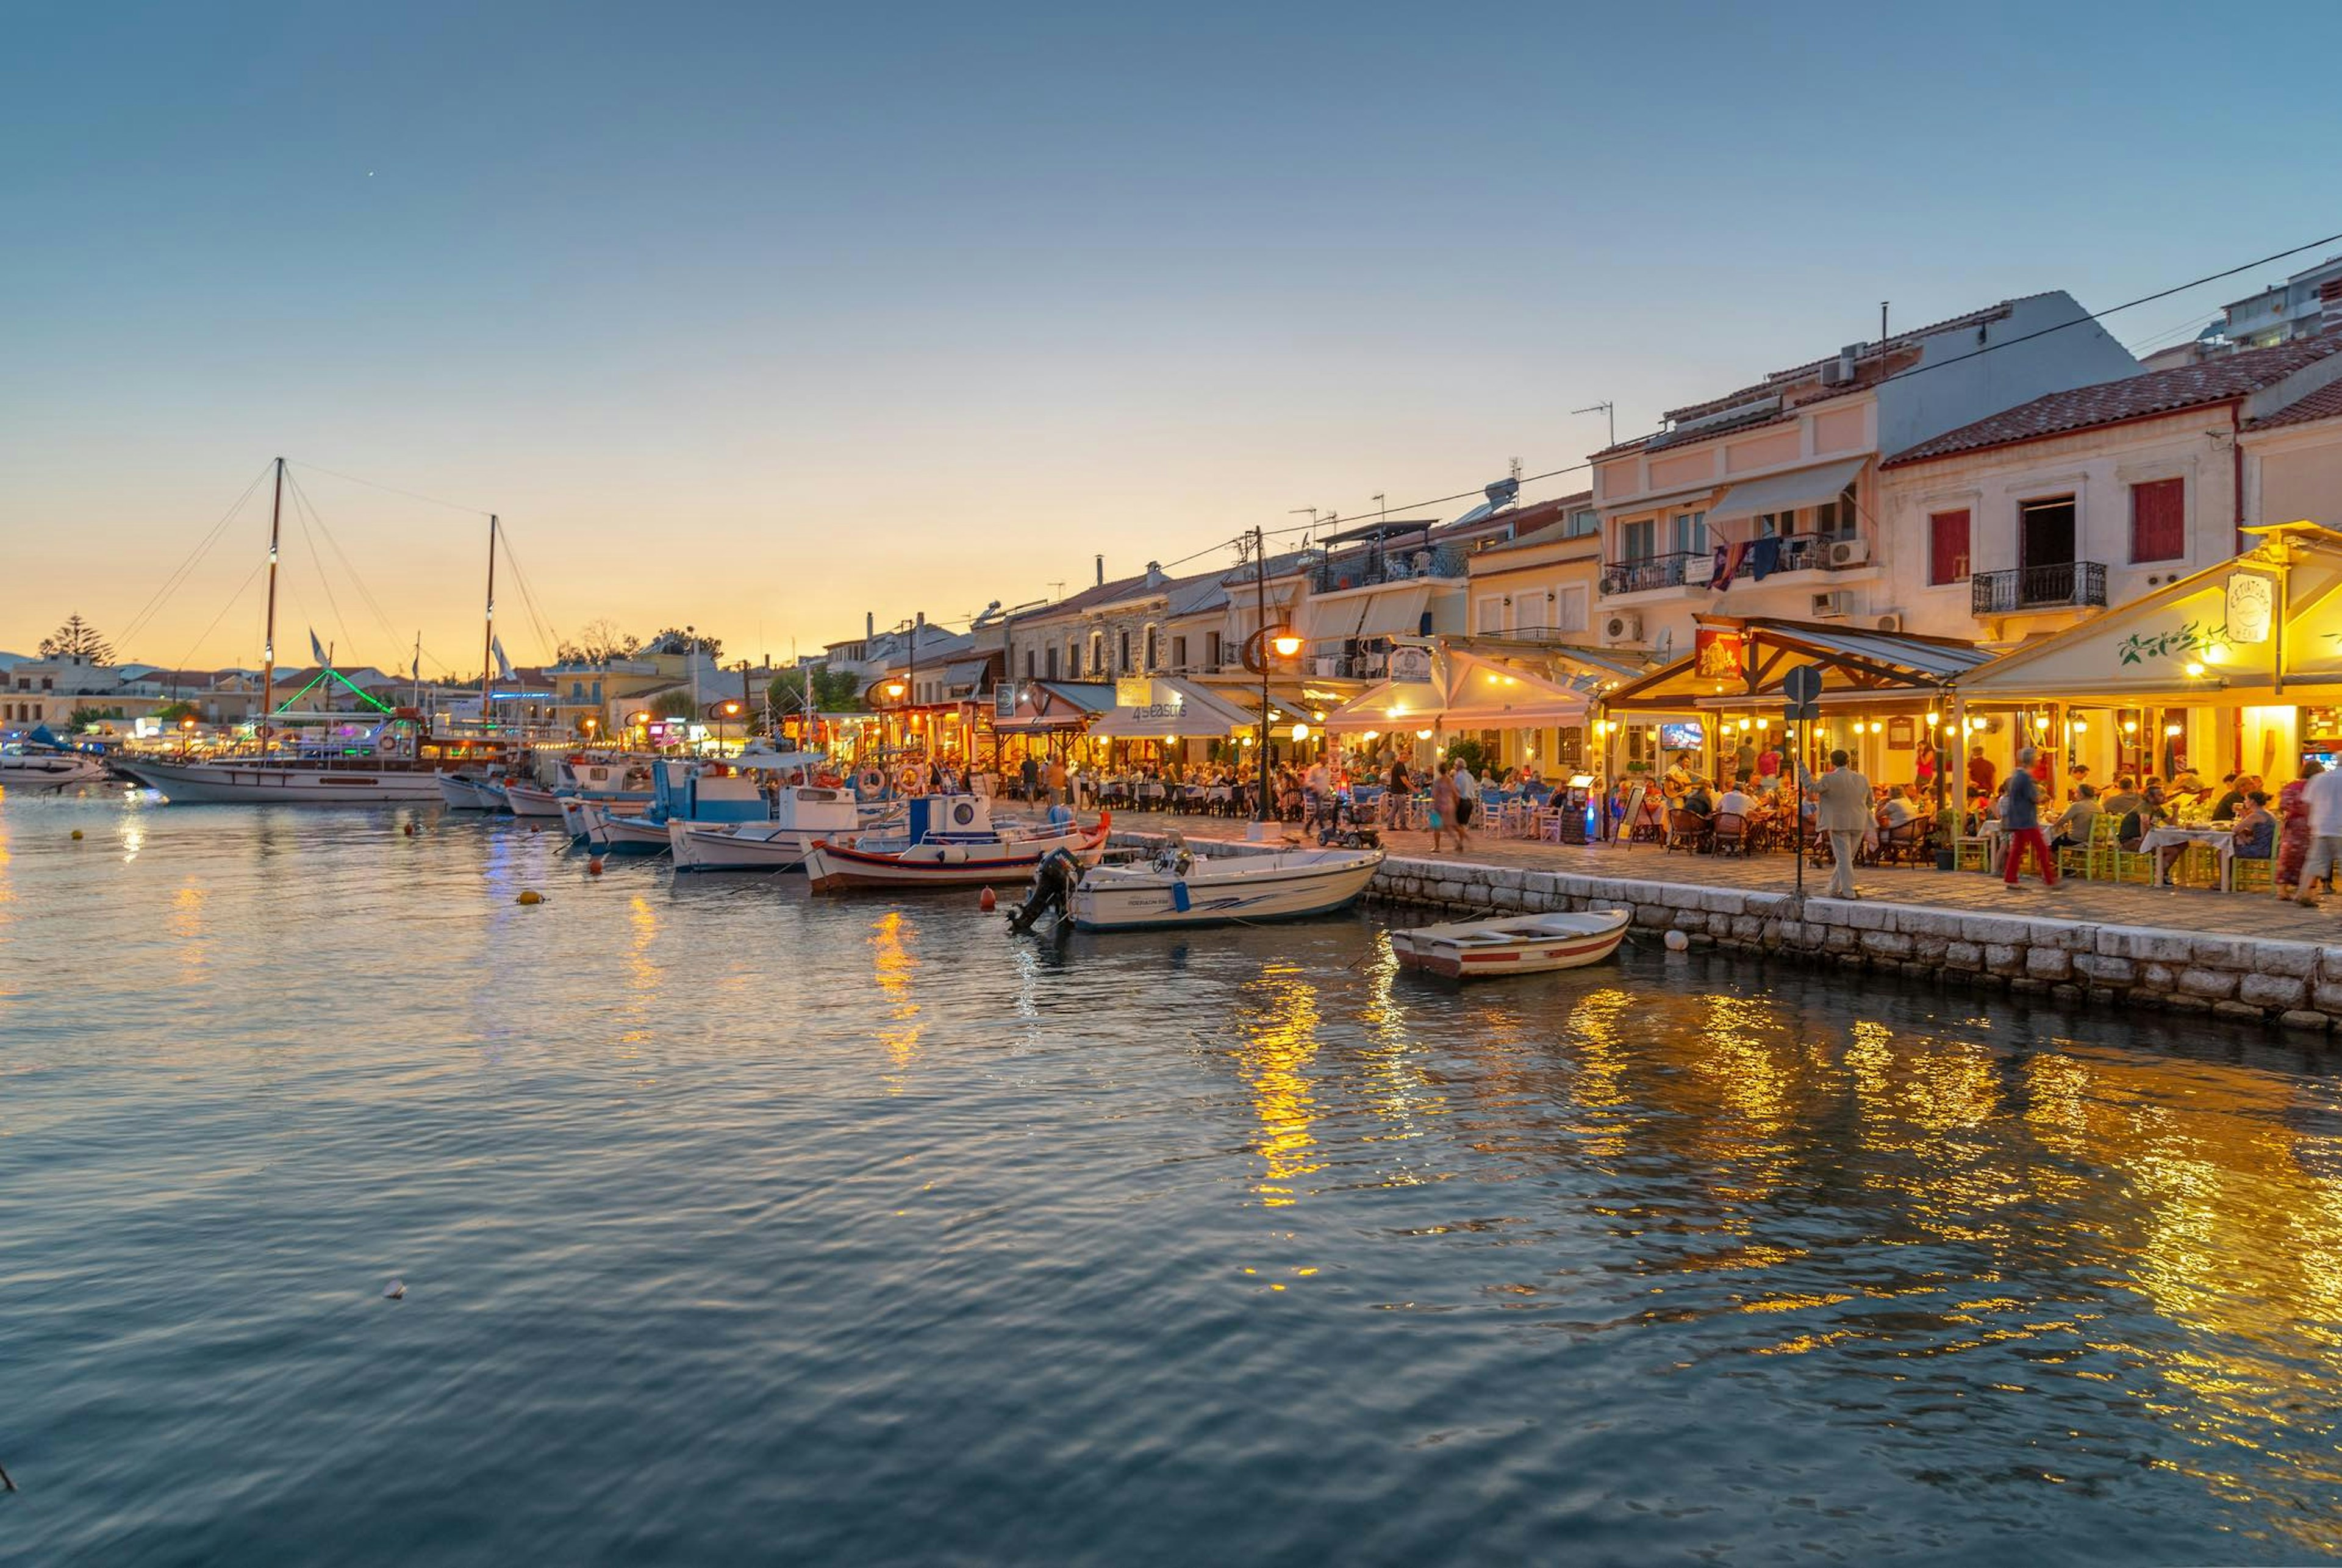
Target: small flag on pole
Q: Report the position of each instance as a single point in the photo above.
(504, 665)
(316, 648)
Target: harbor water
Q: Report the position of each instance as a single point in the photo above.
(740, 1226)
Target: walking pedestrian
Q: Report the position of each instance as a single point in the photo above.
(2293, 831)
(2323, 796)
(1442, 809)
(2020, 813)
(1842, 799)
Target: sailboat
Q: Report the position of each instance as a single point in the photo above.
(398, 762)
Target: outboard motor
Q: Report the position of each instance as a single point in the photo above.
(1052, 891)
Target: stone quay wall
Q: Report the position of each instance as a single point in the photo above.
(2296, 983)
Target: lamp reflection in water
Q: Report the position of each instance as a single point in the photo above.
(642, 972)
(892, 965)
(1279, 1040)
(186, 925)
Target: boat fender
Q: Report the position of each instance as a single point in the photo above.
(1676, 941)
(594, 867)
(1179, 899)
(988, 901)
(954, 855)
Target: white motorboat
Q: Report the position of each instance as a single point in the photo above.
(1513, 944)
(460, 791)
(36, 769)
(802, 815)
(334, 783)
(1178, 889)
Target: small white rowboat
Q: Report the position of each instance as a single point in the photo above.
(1517, 945)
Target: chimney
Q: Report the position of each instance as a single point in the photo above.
(869, 624)
(1101, 571)
(1154, 572)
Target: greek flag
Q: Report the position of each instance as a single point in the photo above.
(316, 648)
(504, 665)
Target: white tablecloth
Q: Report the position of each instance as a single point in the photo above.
(2219, 839)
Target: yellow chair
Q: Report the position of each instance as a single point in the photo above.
(2253, 875)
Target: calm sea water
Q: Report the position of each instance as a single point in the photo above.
(737, 1226)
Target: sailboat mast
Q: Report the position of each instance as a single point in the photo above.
(488, 637)
(269, 643)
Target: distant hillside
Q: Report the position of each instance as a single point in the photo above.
(10, 661)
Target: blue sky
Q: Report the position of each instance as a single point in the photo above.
(759, 317)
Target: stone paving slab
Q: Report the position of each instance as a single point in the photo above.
(2207, 911)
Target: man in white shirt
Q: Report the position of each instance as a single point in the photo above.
(1735, 799)
(2323, 795)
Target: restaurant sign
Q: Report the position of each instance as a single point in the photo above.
(1133, 692)
(1159, 712)
(2252, 601)
(1004, 701)
(1410, 665)
(1718, 654)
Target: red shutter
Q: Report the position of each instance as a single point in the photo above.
(2158, 520)
(1947, 546)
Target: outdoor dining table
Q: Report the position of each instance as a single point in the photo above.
(2222, 840)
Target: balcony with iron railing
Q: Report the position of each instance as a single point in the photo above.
(1762, 559)
(2066, 584)
(1371, 568)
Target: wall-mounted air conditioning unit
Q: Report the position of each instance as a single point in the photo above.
(1832, 606)
(1624, 626)
(1614, 582)
(1891, 623)
(1844, 552)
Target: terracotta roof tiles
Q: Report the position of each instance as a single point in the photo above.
(2326, 403)
(2219, 380)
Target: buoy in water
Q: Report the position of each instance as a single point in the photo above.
(1676, 941)
(529, 896)
(988, 901)
(594, 867)
(409, 830)
(395, 1290)
(76, 832)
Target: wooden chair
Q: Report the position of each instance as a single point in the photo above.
(2253, 874)
(1728, 834)
(1688, 830)
(1904, 844)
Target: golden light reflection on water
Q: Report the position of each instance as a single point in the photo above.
(2039, 1177)
(185, 923)
(643, 976)
(894, 966)
(1278, 1042)
(7, 897)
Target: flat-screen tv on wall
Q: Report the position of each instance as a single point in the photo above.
(1682, 737)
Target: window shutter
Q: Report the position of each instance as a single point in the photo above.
(2158, 520)
(1947, 546)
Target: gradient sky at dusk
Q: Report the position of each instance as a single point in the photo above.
(761, 317)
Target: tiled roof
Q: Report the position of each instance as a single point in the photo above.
(2217, 380)
(2326, 403)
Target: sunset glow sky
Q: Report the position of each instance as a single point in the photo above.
(759, 317)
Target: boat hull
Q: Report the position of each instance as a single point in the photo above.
(740, 846)
(614, 835)
(1219, 894)
(41, 774)
(1498, 948)
(218, 783)
(470, 794)
(527, 800)
(834, 868)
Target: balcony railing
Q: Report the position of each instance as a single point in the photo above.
(1368, 568)
(2067, 583)
(1696, 568)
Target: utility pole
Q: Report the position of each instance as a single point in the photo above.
(1260, 605)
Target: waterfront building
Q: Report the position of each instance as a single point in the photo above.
(1765, 502)
(2045, 515)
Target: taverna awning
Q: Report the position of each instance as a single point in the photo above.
(1739, 661)
(2264, 628)
(1045, 705)
(1785, 492)
(1175, 709)
(1463, 692)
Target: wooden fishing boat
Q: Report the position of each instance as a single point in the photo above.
(1513, 944)
(947, 841)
